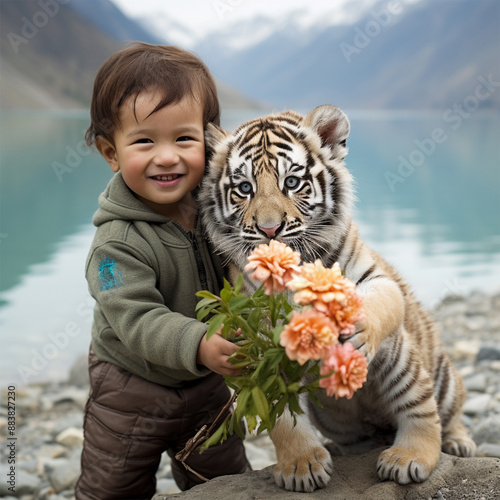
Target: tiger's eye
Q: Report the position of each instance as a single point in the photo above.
(292, 182)
(245, 187)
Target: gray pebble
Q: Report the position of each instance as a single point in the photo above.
(476, 382)
(477, 404)
(488, 431)
(488, 353)
(488, 450)
(64, 474)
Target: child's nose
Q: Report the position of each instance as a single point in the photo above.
(166, 156)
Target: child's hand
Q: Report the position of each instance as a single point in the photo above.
(215, 353)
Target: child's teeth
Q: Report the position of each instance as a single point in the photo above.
(166, 177)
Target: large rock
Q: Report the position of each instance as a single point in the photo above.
(355, 478)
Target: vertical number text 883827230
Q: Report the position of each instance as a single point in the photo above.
(11, 438)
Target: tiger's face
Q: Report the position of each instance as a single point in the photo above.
(281, 176)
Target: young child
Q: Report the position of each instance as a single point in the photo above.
(155, 380)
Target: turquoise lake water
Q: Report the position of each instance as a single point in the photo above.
(428, 200)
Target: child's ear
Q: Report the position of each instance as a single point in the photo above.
(108, 151)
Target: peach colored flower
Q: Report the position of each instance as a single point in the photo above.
(350, 369)
(308, 335)
(329, 292)
(273, 264)
(315, 282)
(345, 314)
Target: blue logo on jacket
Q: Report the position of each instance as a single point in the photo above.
(109, 276)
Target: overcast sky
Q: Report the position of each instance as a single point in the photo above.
(204, 16)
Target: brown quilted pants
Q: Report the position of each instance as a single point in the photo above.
(129, 422)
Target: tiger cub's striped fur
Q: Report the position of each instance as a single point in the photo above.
(283, 176)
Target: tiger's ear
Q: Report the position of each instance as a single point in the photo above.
(330, 123)
(214, 135)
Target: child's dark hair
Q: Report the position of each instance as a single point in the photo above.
(172, 72)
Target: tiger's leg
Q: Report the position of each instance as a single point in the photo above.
(450, 396)
(408, 394)
(303, 463)
(456, 440)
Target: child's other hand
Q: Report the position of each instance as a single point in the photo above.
(215, 353)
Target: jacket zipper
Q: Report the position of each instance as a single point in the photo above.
(199, 261)
(202, 274)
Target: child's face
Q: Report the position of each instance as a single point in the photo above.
(161, 156)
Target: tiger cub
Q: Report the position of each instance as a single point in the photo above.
(283, 176)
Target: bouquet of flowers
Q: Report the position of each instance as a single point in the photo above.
(286, 347)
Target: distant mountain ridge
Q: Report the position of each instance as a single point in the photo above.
(51, 51)
(423, 55)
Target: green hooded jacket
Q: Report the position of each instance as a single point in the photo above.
(143, 270)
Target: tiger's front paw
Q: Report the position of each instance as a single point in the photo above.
(404, 466)
(362, 341)
(304, 473)
(461, 446)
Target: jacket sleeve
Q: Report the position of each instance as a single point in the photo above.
(123, 283)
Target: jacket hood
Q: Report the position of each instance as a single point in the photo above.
(117, 202)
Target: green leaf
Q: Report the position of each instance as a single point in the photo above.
(239, 363)
(260, 403)
(238, 303)
(293, 403)
(238, 429)
(314, 398)
(279, 407)
(251, 423)
(215, 437)
(203, 312)
(241, 403)
(288, 308)
(254, 318)
(268, 383)
(208, 295)
(277, 334)
(215, 323)
(239, 283)
(294, 387)
(225, 294)
(204, 302)
(274, 355)
(282, 385)
(259, 292)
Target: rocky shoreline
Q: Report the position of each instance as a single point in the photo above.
(49, 420)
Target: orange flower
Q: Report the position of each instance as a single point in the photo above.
(329, 292)
(344, 315)
(308, 335)
(350, 369)
(273, 264)
(318, 283)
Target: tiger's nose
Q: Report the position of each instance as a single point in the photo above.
(270, 231)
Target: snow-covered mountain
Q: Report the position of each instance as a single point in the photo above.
(242, 33)
(359, 54)
(406, 54)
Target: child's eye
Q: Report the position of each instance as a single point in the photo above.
(185, 138)
(143, 141)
